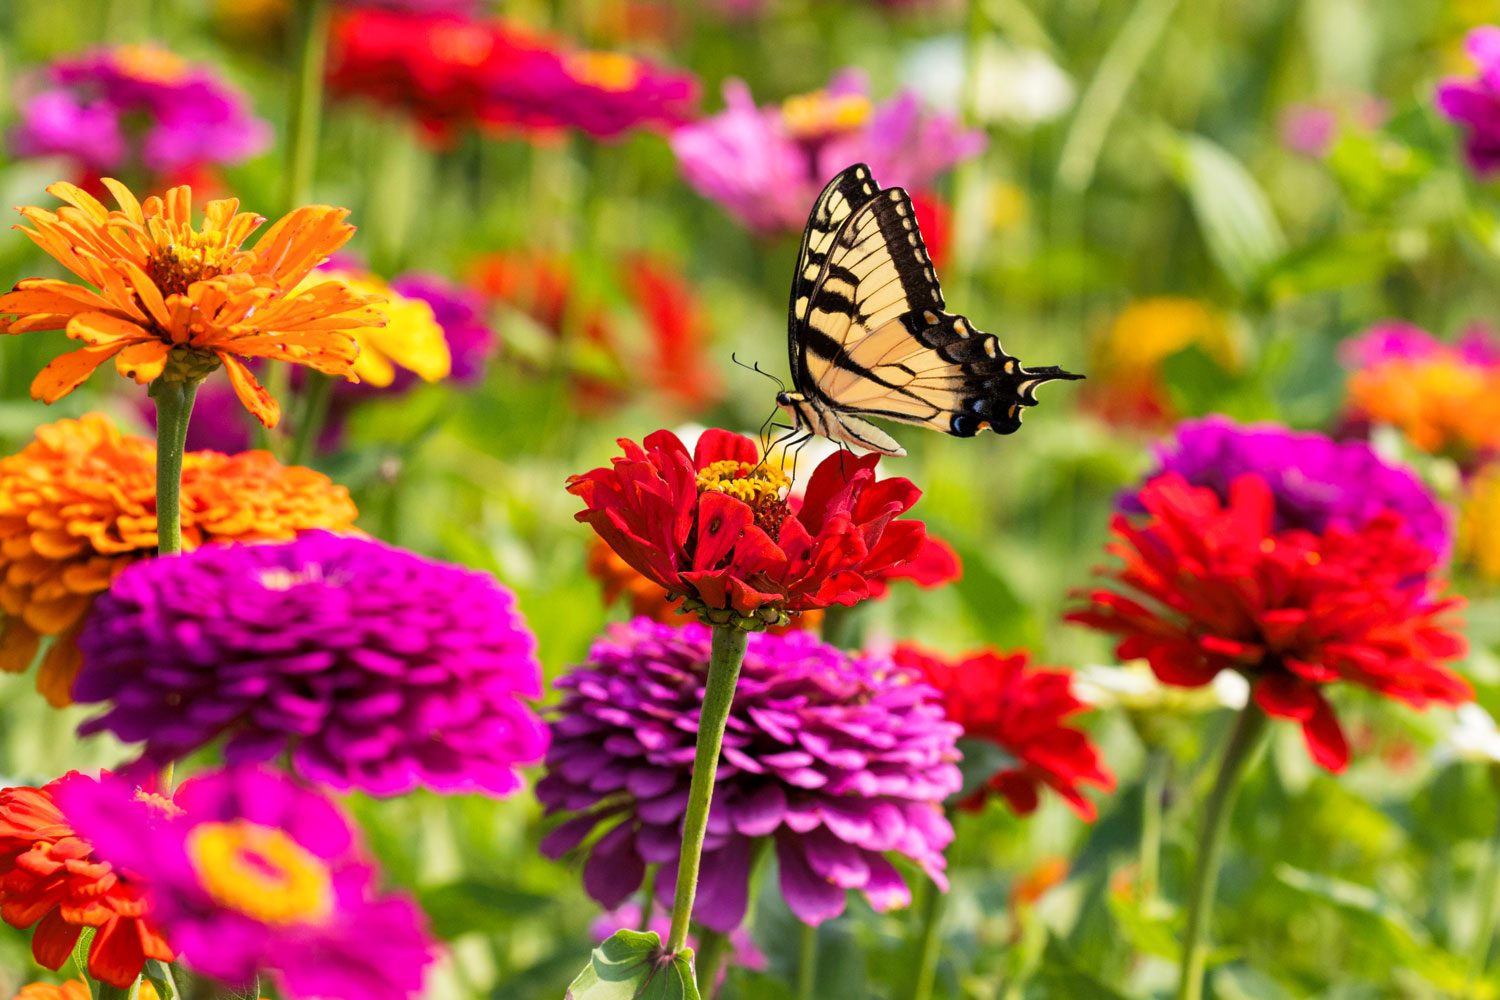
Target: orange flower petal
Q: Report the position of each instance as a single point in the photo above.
(18, 645)
(101, 329)
(53, 617)
(67, 372)
(59, 669)
(250, 392)
(143, 362)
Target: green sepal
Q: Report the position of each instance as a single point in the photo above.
(633, 965)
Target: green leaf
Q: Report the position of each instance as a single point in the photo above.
(471, 905)
(1059, 976)
(1233, 213)
(632, 965)
(159, 974)
(81, 951)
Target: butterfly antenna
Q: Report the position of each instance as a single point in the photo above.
(757, 369)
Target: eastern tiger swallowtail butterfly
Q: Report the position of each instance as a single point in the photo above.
(868, 335)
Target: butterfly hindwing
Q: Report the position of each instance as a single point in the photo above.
(874, 338)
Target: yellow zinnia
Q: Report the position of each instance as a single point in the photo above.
(410, 338)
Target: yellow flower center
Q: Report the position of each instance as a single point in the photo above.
(261, 872)
(612, 71)
(193, 257)
(150, 64)
(743, 481)
(819, 114)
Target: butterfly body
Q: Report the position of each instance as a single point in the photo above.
(868, 335)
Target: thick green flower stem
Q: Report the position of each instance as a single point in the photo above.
(931, 942)
(713, 949)
(174, 405)
(1244, 741)
(317, 394)
(1489, 889)
(108, 992)
(1153, 793)
(807, 964)
(723, 674)
(306, 100)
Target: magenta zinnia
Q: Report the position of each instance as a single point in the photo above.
(369, 667)
(840, 761)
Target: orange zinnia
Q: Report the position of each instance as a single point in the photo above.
(169, 297)
(73, 989)
(78, 505)
(50, 877)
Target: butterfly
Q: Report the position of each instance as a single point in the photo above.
(868, 335)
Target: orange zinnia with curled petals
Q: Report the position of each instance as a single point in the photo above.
(78, 505)
(167, 292)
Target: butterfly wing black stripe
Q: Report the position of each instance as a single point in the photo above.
(841, 198)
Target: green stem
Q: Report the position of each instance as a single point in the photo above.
(648, 898)
(174, 405)
(108, 992)
(1153, 792)
(307, 101)
(968, 178)
(807, 963)
(316, 397)
(1244, 741)
(713, 949)
(1484, 939)
(933, 905)
(723, 674)
(1105, 94)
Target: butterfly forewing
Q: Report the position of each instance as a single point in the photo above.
(844, 195)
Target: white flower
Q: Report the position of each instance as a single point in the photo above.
(1474, 737)
(1017, 85)
(1133, 686)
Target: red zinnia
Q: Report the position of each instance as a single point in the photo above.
(50, 874)
(1001, 698)
(1216, 588)
(716, 527)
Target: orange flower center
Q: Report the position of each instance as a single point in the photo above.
(261, 872)
(150, 64)
(177, 265)
(818, 115)
(760, 486)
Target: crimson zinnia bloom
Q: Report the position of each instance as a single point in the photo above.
(52, 877)
(1210, 585)
(715, 526)
(1003, 699)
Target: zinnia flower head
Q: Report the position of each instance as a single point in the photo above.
(839, 760)
(1210, 584)
(453, 72)
(1138, 342)
(1475, 102)
(766, 165)
(409, 339)
(132, 107)
(1315, 482)
(252, 874)
(73, 989)
(78, 505)
(716, 527)
(1004, 700)
(171, 299)
(51, 876)
(371, 667)
(1443, 398)
(1479, 525)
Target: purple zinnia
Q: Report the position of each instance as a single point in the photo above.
(1398, 340)
(839, 760)
(251, 874)
(371, 667)
(1475, 103)
(1316, 482)
(138, 106)
(766, 165)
